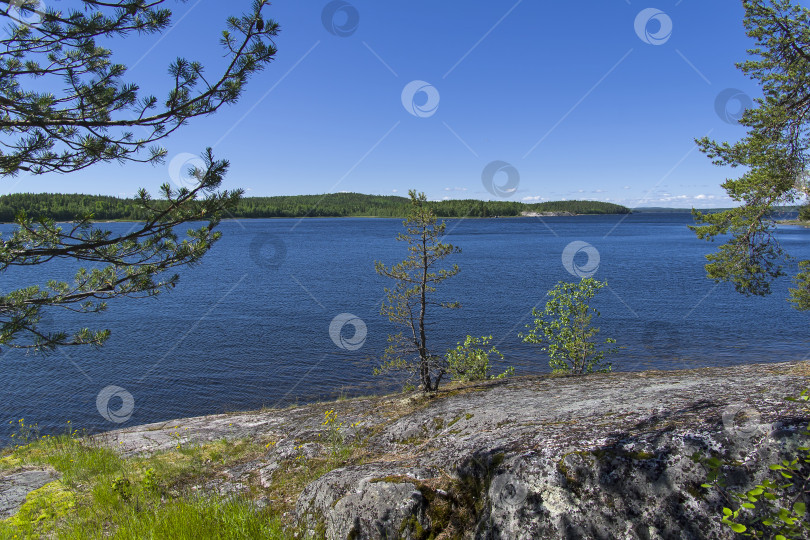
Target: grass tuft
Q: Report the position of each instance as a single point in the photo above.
(102, 494)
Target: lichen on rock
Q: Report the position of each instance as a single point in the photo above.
(597, 456)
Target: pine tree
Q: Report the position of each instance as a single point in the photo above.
(408, 302)
(773, 152)
(94, 121)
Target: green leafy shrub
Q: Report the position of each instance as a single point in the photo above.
(564, 329)
(777, 507)
(470, 362)
(123, 487)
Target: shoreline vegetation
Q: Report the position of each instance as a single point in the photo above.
(67, 207)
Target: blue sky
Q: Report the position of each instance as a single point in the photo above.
(578, 98)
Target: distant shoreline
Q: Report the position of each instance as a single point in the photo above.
(798, 222)
(548, 214)
(67, 207)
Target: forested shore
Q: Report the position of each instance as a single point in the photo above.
(66, 207)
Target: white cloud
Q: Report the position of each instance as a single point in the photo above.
(626, 187)
(535, 198)
(685, 201)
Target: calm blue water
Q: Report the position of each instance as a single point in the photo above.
(250, 325)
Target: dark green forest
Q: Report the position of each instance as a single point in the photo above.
(67, 207)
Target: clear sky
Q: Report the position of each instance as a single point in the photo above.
(600, 99)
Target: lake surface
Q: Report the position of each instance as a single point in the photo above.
(250, 326)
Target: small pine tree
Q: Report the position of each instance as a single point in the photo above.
(407, 303)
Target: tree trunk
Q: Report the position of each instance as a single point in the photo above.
(423, 356)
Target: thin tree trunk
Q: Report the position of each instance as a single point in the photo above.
(426, 383)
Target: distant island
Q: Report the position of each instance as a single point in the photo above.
(66, 207)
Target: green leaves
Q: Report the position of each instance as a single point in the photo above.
(737, 527)
(469, 361)
(564, 330)
(800, 293)
(770, 509)
(729, 516)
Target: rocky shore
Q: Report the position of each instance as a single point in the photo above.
(598, 456)
(546, 214)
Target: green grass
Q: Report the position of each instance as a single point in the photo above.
(104, 495)
(167, 494)
(195, 518)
